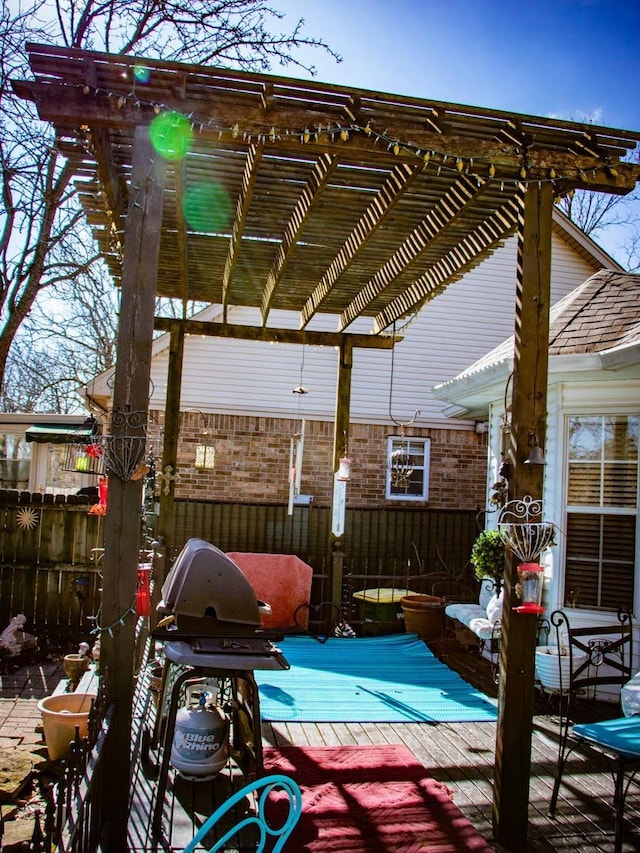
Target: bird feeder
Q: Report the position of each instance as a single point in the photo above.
(529, 588)
(522, 527)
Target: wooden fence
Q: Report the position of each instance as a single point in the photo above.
(48, 570)
(383, 547)
(49, 573)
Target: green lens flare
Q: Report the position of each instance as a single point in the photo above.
(141, 73)
(207, 208)
(171, 135)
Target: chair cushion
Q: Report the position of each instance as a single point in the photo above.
(482, 628)
(474, 617)
(622, 735)
(494, 608)
(465, 612)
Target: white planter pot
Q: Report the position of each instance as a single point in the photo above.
(552, 669)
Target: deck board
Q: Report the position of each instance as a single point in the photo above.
(461, 755)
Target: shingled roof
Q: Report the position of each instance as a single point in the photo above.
(602, 313)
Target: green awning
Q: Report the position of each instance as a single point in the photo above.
(58, 434)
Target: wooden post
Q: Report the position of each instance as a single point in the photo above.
(340, 444)
(170, 445)
(529, 404)
(123, 518)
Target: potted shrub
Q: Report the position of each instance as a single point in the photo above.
(487, 557)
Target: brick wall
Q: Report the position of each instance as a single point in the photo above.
(252, 462)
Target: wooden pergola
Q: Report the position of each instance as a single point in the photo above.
(253, 190)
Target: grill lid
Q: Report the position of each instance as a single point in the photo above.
(206, 584)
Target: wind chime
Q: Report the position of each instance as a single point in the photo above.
(296, 448)
(400, 460)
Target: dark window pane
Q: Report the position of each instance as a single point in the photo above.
(600, 560)
(584, 484)
(620, 485)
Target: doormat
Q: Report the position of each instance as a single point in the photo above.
(369, 799)
(388, 679)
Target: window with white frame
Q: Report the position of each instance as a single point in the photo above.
(601, 510)
(407, 468)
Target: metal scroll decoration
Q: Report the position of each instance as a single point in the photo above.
(521, 526)
(124, 449)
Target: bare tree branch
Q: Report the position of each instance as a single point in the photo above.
(40, 218)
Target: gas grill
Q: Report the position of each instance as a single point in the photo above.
(207, 595)
(210, 623)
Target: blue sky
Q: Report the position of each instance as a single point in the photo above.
(576, 59)
(570, 59)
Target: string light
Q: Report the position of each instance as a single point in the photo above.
(396, 146)
(102, 629)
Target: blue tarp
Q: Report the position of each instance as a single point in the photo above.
(388, 679)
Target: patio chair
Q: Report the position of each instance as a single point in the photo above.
(598, 656)
(265, 785)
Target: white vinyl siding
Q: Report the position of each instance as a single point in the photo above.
(457, 327)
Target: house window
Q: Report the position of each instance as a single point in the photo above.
(407, 468)
(205, 456)
(602, 510)
(15, 461)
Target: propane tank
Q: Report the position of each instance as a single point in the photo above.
(200, 745)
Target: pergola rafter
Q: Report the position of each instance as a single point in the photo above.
(252, 165)
(463, 257)
(440, 216)
(318, 179)
(358, 204)
(373, 217)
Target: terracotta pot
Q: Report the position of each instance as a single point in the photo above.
(423, 615)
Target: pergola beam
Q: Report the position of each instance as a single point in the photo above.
(373, 217)
(249, 120)
(440, 217)
(272, 334)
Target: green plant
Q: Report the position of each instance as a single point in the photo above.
(487, 556)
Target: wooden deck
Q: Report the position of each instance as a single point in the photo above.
(458, 754)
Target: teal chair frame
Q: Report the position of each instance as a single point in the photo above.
(265, 785)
